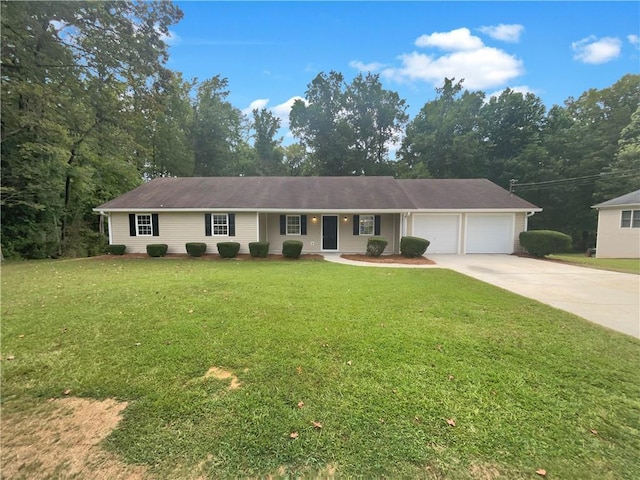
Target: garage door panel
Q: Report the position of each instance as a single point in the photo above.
(442, 231)
(489, 233)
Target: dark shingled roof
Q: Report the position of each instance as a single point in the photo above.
(632, 198)
(460, 194)
(315, 193)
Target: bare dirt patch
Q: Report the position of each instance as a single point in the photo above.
(389, 259)
(221, 374)
(61, 439)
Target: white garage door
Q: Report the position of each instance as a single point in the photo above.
(489, 233)
(440, 230)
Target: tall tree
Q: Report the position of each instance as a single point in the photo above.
(74, 76)
(268, 148)
(348, 129)
(444, 139)
(217, 131)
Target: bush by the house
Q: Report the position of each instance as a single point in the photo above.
(228, 249)
(291, 248)
(196, 249)
(116, 249)
(541, 243)
(411, 247)
(375, 246)
(157, 249)
(259, 249)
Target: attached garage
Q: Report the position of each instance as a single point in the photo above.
(489, 233)
(443, 231)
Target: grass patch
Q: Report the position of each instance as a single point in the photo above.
(381, 358)
(624, 265)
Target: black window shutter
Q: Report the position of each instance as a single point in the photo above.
(232, 224)
(207, 224)
(154, 225)
(283, 224)
(132, 224)
(356, 224)
(376, 225)
(303, 224)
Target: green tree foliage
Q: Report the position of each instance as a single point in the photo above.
(348, 129)
(268, 148)
(444, 139)
(77, 81)
(217, 131)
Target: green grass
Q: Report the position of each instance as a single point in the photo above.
(624, 265)
(382, 358)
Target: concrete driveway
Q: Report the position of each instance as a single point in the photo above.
(608, 298)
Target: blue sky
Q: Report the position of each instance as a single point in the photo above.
(270, 51)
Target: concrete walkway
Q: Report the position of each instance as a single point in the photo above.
(608, 298)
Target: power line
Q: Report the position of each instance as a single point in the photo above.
(572, 181)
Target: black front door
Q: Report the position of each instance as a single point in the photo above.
(329, 232)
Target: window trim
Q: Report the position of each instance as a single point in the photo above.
(299, 217)
(361, 224)
(214, 225)
(633, 221)
(138, 225)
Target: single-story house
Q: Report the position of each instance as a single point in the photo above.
(329, 214)
(619, 227)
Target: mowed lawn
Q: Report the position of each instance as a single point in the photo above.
(624, 265)
(343, 371)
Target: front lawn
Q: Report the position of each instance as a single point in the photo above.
(624, 265)
(336, 370)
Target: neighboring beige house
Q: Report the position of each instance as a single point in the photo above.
(329, 214)
(619, 227)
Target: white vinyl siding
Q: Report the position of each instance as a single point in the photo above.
(178, 228)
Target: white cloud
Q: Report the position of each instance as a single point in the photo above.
(366, 67)
(258, 104)
(455, 40)
(505, 33)
(482, 68)
(593, 51)
(523, 89)
(634, 40)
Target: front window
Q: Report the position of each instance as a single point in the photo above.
(220, 224)
(143, 225)
(366, 224)
(630, 219)
(293, 224)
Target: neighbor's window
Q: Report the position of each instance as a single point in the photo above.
(143, 224)
(293, 224)
(366, 224)
(630, 219)
(220, 224)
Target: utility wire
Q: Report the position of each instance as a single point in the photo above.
(573, 181)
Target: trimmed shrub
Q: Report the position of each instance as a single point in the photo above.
(157, 249)
(375, 246)
(259, 249)
(291, 248)
(541, 243)
(116, 249)
(196, 249)
(411, 247)
(228, 249)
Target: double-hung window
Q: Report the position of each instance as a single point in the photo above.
(367, 224)
(144, 227)
(293, 224)
(220, 224)
(630, 219)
